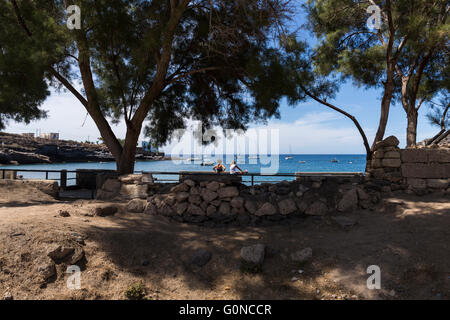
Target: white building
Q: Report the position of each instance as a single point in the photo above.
(49, 136)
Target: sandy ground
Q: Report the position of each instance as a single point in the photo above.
(407, 237)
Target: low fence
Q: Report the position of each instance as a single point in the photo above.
(88, 179)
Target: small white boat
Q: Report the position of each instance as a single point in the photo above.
(334, 160)
(289, 158)
(301, 161)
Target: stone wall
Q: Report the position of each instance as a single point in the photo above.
(418, 170)
(223, 202)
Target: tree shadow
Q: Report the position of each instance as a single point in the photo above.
(409, 241)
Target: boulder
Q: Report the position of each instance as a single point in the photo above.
(211, 210)
(392, 155)
(224, 208)
(390, 141)
(47, 270)
(228, 192)
(213, 186)
(195, 199)
(136, 205)
(267, 209)
(201, 257)
(131, 178)
(57, 252)
(317, 208)
(147, 178)
(105, 210)
(190, 183)
(349, 201)
(181, 208)
(237, 202)
(287, 206)
(253, 255)
(208, 195)
(77, 256)
(105, 195)
(250, 206)
(112, 185)
(302, 256)
(195, 210)
(181, 196)
(182, 187)
(133, 191)
(391, 163)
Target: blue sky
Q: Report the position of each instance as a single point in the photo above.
(307, 128)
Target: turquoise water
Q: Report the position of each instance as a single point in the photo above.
(264, 165)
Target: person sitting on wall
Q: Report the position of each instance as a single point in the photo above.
(219, 167)
(234, 168)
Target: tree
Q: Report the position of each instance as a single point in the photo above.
(161, 61)
(439, 116)
(399, 57)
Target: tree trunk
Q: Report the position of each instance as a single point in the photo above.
(385, 106)
(125, 163)
(411, 129)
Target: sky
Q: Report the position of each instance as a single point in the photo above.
(306, 128)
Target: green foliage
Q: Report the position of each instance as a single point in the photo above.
(136, 291)
(222, 68)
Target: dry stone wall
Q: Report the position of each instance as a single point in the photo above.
(418, 170)
(224, 202)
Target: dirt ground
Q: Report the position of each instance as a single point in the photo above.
(408, 237)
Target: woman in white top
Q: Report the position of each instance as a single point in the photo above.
(234, 168)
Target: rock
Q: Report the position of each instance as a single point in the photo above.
(181, 208)
(201, 257)
(77, 256)
(189, 183)
(237, 202)
(112, 185)
(211, 210)
(57, 252)
(349, 201)
(392, 155)
(253, 255)
(105, 195)
(250, 206)
(64, 213)
(362, 195)
(437, 183)
(228, 192)
(182, 187)
(47, 270)
(391, 141)
(136, 206)
(181, 196)
(391, 163)
(134, 191)
(317, 208)
(147, 178)
(195, 210)
(105, 210)
(287, 206)
(8, 296)
(417, 183)
(150, 208)
(216, 203)
(195, 199)
(224, 208)
(130, 178)
(316, 185)
(213, 186)
(302, 255)
(208, 195)
(267, 209)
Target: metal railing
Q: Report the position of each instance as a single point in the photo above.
(174, 177)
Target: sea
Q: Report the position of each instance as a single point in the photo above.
(265, 165)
